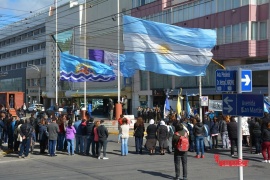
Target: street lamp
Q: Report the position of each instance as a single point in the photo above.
(32, 66)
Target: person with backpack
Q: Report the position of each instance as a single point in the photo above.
(180, 155)
(170, 136)
(26, 132)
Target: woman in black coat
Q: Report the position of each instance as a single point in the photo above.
(139, 133)
(257, 133)
(232, 132)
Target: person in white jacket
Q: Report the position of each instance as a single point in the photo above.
(124, 131)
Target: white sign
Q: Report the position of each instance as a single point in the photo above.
(215, 105)
(204, 100)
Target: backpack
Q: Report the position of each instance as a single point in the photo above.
(182, 144)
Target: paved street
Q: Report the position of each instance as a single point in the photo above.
(131, 167)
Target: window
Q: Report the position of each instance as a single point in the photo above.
(18, 38)
(185, 12)
(228, 4)
(12, 40)
(13, 53)
(245, 2)
(244, 31)
(190, 11)
(43, 45)
(37, 62)
(24, 36)
(263, 30)
(208, 7)
(8, 54)
(13, 66)
(24, 50)
(180, 14)
(254, 26)
(36, 47)
(42, 30)
(43, 61)
(235, 33)
(144, 80)
(176, 15)
(32, 82)
(202, 8)
(28, 82)
(43, 81)
(4, 68)
(158, 81)
(8, 67)
(262, 2)
(30, 34)
(24, 64)
(235, 4)
(30, 48)
(220, 36)
(19, 51)
(220, 5)
(36, 32)
(3, 56)
(196, 9)
(19, 65)
(7, 41)
(30, 62)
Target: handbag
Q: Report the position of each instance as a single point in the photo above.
(135, 131)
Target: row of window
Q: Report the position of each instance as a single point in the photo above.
(22, 36)
(36, 82)
(137, 3)
(199, 9)
(23, 64)
(24, 50)
(240, 32)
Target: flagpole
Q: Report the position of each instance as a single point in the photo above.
(118, 105)
(56, 54)
(200, 95)
(85, 55)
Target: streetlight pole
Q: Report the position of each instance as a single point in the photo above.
(32, 66)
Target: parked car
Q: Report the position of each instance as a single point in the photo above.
(36, 107)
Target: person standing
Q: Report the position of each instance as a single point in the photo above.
(2, 128)
(124, 130)
(102, 139)
(78, 137)
(70, 136)
(224, 134)
(95, 144)
(53, 130)
(24, 109)
(110, 109)
(120, 122)
(43, 136)
(214, 129)
(151, 139)
(90, 135)
(162, 136)
(266, 143)
(125, 105)
(232, 132)
(199, 133)
(139, 133)
(26, 132)
(257, 134)
(179, 155)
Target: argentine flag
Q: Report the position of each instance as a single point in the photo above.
(166, 49)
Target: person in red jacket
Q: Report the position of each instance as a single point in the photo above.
(119, 124)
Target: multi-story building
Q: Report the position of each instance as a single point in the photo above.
(23, 57)
(242, 39)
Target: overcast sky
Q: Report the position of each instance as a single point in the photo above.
(14, 10)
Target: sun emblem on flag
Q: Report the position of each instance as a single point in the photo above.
(84, 68)
(164, 49)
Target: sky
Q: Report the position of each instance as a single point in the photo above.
(15, 10)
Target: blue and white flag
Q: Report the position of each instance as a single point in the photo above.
(167, 107)
(76, 69)
(189, 110)
(167, 49)
(266, 106)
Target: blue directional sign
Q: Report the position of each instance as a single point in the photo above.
(246, 81)
(243, 105)
(250, 105)
(229, 104)
(225, 81)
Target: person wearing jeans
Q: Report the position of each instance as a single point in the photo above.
(70, 135)
(53, 130)
(78, 136)
(179, 155)
(25, 132)
(232, 131)
(102, 139)
(139, 133)
(124, 130)
(199, 133)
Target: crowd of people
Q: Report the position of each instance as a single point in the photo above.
(89, 137)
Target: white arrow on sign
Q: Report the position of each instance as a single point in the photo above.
(229, 108)
(227, 100)
(246, 80)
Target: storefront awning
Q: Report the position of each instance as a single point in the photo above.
(92, 93)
